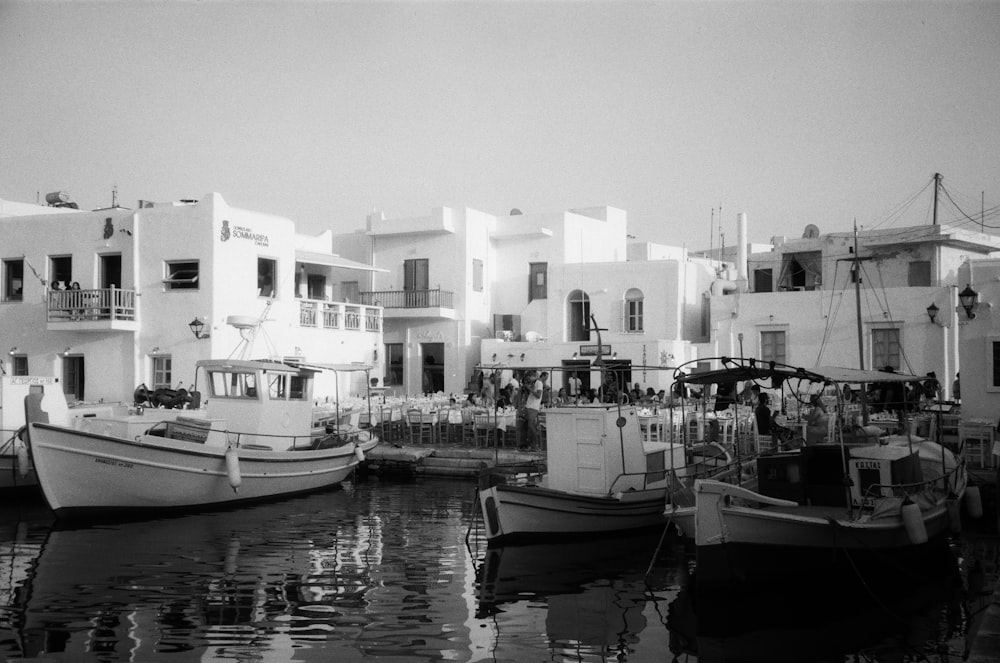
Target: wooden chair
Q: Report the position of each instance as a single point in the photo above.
(421, 426)
(485, 429)
(976, 442)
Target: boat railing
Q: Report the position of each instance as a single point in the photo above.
(876, 492)
(196, 433)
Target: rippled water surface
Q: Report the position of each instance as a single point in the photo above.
(390, 570)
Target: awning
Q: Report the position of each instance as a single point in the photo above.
(333, 260)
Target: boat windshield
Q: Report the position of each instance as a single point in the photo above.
(290, 387)
(232, 384)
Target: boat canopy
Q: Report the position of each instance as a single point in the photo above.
(245, 365)
(738, 370)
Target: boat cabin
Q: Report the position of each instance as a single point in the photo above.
(599, 450)
(263, 403)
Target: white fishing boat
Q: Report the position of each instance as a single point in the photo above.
(601, 477)
(845, 505)
(254, 440)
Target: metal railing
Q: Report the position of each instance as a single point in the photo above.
(436, 298)
(336, 315)
(98, 304)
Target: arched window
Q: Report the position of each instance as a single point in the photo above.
(633, 311)
(579, 316)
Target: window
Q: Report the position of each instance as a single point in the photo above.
(920, 273)
(477, 275)
(885, 349)
(633, 311)
(267, 284)
(350, 292)
(317, 286)
(181, 274)
(286, 387)
(394, 365)
(61, 272)
(13, 280)
(538, 281)
(992, 364)
(763, 280)
(162, 371)
(772, 346)
(20, 365)
(232, 385)
(579, 316)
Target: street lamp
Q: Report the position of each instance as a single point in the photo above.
(196, 326)
(969, 299)
(932, 312)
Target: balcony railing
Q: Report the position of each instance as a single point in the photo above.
(409, 298)
(336, 315)
(99, 304)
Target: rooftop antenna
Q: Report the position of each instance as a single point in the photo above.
(114, 196)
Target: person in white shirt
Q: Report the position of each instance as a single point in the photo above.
(532, 406)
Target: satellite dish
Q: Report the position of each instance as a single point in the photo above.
(811, 232)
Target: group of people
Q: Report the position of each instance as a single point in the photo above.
(525, 394)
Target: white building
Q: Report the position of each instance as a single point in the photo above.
(801, 305)
(466, 288)
(145, 274)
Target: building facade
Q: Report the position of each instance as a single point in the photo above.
(874, 299)
(110, 299)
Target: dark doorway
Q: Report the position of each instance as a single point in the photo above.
(432, 380)
(73, 378)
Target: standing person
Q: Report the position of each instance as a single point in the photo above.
(956, 392)
(532, 406)
(817, 420)
(573, 386)
(931, 389)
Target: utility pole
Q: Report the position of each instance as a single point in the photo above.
(937, 185)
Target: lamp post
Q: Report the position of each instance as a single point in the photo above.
(932, 312)
(969, 299)
(196, 327)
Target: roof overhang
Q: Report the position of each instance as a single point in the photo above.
(333, 260)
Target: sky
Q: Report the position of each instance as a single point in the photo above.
(683, 114)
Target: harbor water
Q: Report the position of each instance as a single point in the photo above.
(397, 569)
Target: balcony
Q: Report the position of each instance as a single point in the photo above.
(101, 309)
(339, 315)
(435, 303)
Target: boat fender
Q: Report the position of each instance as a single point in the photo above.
(954, 515)
(23, 460)
(913, 520)
(359, 453)
(233, 469)
(973, 502)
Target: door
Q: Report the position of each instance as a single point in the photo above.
(416, 282)
(73, 378)
(111, 270)
(432, 379)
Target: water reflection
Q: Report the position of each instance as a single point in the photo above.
(390, 569)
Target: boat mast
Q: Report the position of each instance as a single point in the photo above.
(937, 185)
(861, 336)
(857, 299)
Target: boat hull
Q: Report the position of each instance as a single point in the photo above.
(756, 546)
(85, 474)
(513, 513)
